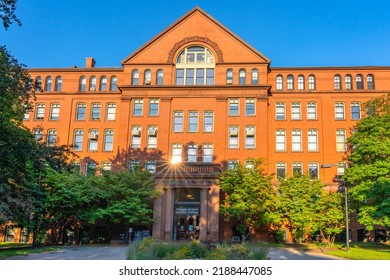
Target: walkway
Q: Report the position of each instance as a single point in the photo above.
(294, 254)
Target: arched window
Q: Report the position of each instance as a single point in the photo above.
(242, 77)
(92, 83)
(160, 77)
(348, 82)
(279, 82)
(337, 82)
(290, 82)
(255, 77)
(103, 83)
(207, 153)
(359, 82)
(58, 84)
(48, 83)
(38, 84)
(370, 82)
(83, 83)
(312, 82)
(301, 82)
(134, 77)
(192, 153)
(195, 66)
(147, 77)
(113, 83)
(229, 76)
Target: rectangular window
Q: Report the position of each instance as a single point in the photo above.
(193, 122)
(311, 113)
(93, 136)
(179, 77)
(138, 107)
(280, 140)
(78, 140)
(250, 107)
(40, 112)
(192, 152)
(250, 133)
(355, 111)
(95, 111)
(232, 164)
(136, 137)
(341, 140)
(296, 140)
(208, 121)
(106, 166)
(152, 137)
(200, 76)
(90, 167)
(233, 137)
(313, 170)
(297, 168)
(281, 170)
(339, 111)
(280, 111)
(178, 122)
(190, 76)
(153, 107)
(233, 107)
(51, 137)
(210, 76)
(208, 153)
(80, 112)
(110, 111)
(340, 170)
(312, 140)
(108, 144)
(55, 112)
(134, 164)
(176, 153)
(296, 111)
(150, 166)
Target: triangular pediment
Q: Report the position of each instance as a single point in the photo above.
(196, 27)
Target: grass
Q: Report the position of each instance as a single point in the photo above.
(361, 251)
(9, 250)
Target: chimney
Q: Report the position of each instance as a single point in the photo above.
(89, 62)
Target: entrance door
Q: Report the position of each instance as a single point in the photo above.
(187, 227)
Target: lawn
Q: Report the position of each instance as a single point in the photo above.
(361, 251)
(9, 250)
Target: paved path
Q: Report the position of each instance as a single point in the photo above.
(294, 254)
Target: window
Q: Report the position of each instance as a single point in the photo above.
(78, 140)
(58, 84)
(311, 111)
(48, 83)
(242, 77)
(295, 111)
(93, 136)
(192, 153)
(313, 170)
(359, 82)
(176, 153)
(160, 77)
(355, 110)
(312, 82)
(26, 115)
(337, 82)
(229, 77)
(296, 140)
(38, 84)
(40, 111)
(339, 111)
(193, 122)
(290, 82)
(348, 82)
(90, 167)
(250, 133)
(51, 137)
(370, 82)
(152, 137)
(232, 164)
(301, 82)
(83, 83)
(80, 111)
(106, 166)
(136, 137)
(178, 121)
(207, 153)
(108, 144)
(55, 112)
(134, 164)
(233, 137)
(110, 111)
(341, 140)
(208, 121)
(147, 77)
(340, 170)
(92, 83)
(280, 111)
(297, 168)
(249, 163)
(281, 170)
(312, 140)
(153, 107)
(250, 107)
(195, 66)
(134, 77)
(233, 107)
(255, 77)
(150, 165)
(95, 111)
(38, 134)
(280, 140)
(279, 82)
(103, 84)
(113, 83)
(138, 107)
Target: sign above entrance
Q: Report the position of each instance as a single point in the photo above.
(187, 211)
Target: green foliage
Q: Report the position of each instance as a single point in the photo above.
(249, 197)
(7, 12)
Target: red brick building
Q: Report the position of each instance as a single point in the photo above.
(198, 95)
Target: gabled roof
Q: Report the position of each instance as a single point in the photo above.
(181, 20)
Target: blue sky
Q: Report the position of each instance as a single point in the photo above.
(58, 33)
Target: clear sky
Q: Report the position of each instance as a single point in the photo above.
(61, 33)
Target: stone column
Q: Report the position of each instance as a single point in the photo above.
(214, 214)
(203, 215)
(157, 216)
(168, 215)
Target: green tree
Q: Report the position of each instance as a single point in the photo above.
(369, 164)
(249, 197)
(296, 204)
(7, 12)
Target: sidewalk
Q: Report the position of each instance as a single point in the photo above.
(295, 254)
